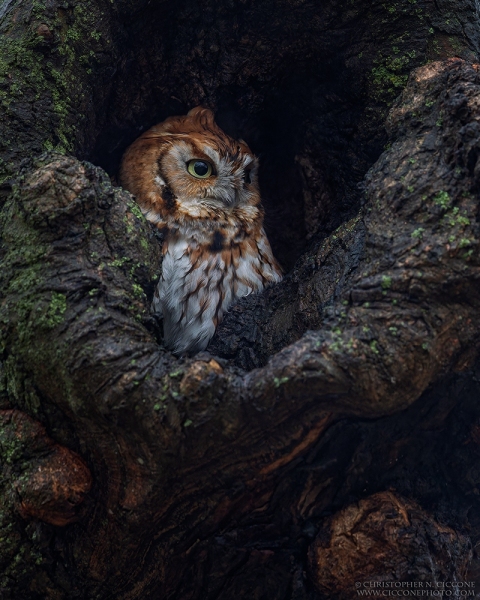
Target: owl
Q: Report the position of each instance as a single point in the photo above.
(200, 187)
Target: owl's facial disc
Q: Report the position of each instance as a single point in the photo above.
(203, 172)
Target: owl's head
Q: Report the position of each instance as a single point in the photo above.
(188, 161)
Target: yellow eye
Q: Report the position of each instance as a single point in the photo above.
(199, 168)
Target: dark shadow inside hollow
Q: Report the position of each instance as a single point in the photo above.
(298, 105)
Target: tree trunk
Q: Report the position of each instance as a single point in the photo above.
(326, 443)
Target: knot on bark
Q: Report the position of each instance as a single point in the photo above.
(382, 540)
(48, 481)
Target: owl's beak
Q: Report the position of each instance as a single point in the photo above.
(233, 198)
(228, 196)
(237, 196)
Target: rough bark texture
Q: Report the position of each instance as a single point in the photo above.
(340, 404)
(385, 540)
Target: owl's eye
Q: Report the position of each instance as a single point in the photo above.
(199, 168)
(246, 177)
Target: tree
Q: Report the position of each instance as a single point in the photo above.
(329, 436)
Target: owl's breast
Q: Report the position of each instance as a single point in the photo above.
(203, 274)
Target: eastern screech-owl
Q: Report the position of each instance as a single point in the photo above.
(200, 187)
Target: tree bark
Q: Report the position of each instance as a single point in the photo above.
(333, 420)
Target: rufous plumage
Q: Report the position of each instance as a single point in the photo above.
(200, 187)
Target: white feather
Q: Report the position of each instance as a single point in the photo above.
(189, 299)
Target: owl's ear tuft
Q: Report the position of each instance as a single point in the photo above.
(204, 115)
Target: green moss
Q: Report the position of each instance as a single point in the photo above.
(456, 45)
(278, 381)
(25, 64)
(130, 228)
(386, 282)
(176, 374)
(119, 262)
(53, 316)
(30, 309)
(388, 77)
(390, 74)
(390, 9)
(442, 199)
(22, 281)
(138, 290)
(133, 268)
(418, 233)
(11, 449)
(54, 79)
(454, 218)
(135, 210)
(374, 347)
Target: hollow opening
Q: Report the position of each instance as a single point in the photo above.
(276, 78)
